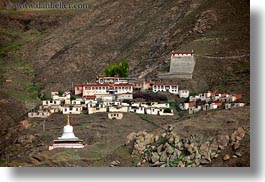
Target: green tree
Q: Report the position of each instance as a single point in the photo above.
(167, 110)
(46, 96)
(121, 69)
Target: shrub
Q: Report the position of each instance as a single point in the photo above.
(73, 97)
(127, 101)
(121, 69)
(167, 110)
(45, 96)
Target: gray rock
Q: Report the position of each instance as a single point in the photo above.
(234, 156)
(171, 140)
(223, 140)
(181, 164)
(213, 146)
(216, 155)
(198, 156)
(236, 146)
(170, 128)
(178, 152)
(170, 150)
(156, 138)
(154, 157)
(197, 162)
(159, 149)
(157, 163)
(226, 157)
(186, 159)
(163, 157)
(192, 156)
(173, 157)
(179, 146)
(204, 161)
(204, 148)
(238, 154)
(221, 147)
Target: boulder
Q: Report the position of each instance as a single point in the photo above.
(213, 146)
(226, 157)
(181, 164)
(238, 134)
(131, 137)
(159, 149)
(238, 154)
(169, 149)
(234, 156)
(154, 157)
(223, 140)
(204, 161)
(171, 140)
(236, 146)
(163, 157)
(204, 148)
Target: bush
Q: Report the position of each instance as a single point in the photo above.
(121, 69)
(73, 97)
(127, 101)
(46, 96)
(167, 110)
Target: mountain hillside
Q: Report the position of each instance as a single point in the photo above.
(50, 50)
(144, 33)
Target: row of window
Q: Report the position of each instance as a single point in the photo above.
(52, 102)
(105, 88)
(162, 87)
(108, 80)
(71, 109)
(114, 114)
(155, 90)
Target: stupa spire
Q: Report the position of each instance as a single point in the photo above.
(68, 120)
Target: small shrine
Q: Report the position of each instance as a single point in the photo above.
(68, 138)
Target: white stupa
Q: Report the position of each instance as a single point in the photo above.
(68, 132)
(68, 139)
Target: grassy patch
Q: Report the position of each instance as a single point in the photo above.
(33, 90)
(147, 120)
(174, 163)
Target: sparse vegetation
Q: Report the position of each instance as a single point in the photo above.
(33, 90)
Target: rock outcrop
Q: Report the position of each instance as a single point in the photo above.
(169, 150)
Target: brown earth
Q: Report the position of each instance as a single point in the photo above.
(106, 138)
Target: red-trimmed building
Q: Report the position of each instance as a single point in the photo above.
(91, 91)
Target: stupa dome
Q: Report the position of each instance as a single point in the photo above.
(68, 133)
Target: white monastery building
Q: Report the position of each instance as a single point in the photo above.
(164, 87)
